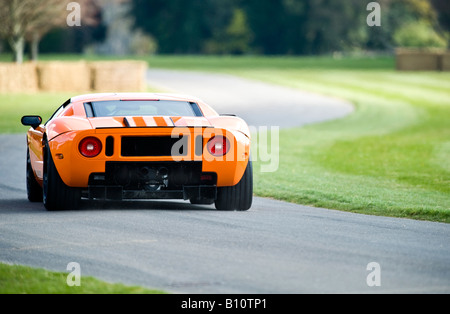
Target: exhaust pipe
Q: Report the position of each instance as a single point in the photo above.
(163, 172)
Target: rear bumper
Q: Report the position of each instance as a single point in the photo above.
(117, 193)
(152, 180)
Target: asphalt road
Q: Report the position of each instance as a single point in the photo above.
(258, 103)
(275, 247)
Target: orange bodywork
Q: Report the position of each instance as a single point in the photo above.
(71, 125)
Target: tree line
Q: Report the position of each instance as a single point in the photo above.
(294, 27)
(270, 27)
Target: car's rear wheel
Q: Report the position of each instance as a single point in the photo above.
(34, 190)
(56, 194)
(238, 197)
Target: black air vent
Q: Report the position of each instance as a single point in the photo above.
(109, 150)
(152, 146)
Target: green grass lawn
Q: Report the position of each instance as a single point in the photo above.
(390, 157)
(17, 279)
(14, 106)
(214, 63)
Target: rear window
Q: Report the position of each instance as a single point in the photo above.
(122, 108)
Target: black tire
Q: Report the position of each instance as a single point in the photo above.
(56, 194)
(34, 190)
(238, 197)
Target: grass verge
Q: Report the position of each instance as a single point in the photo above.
(16, 279)
(391, 157)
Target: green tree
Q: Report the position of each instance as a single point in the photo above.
(234, 39)
(270, 25)
(335, 25)
(401, 14)
(419, 35)
(442, 8)
(179, 26)
(306, 26)
(238, 33)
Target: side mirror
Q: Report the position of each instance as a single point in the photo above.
(33, 121)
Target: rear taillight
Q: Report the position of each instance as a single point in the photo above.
(218, 146)
(90, 147)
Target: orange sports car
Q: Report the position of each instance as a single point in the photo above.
(138, 146)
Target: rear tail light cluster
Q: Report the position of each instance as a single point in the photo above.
(90, 147)
(218, 146)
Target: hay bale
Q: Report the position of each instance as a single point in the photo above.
(17, 78)
(119, 76)
(418, 60)
(56, 76)
(445, 61)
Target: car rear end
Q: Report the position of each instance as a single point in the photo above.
(128, 160)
